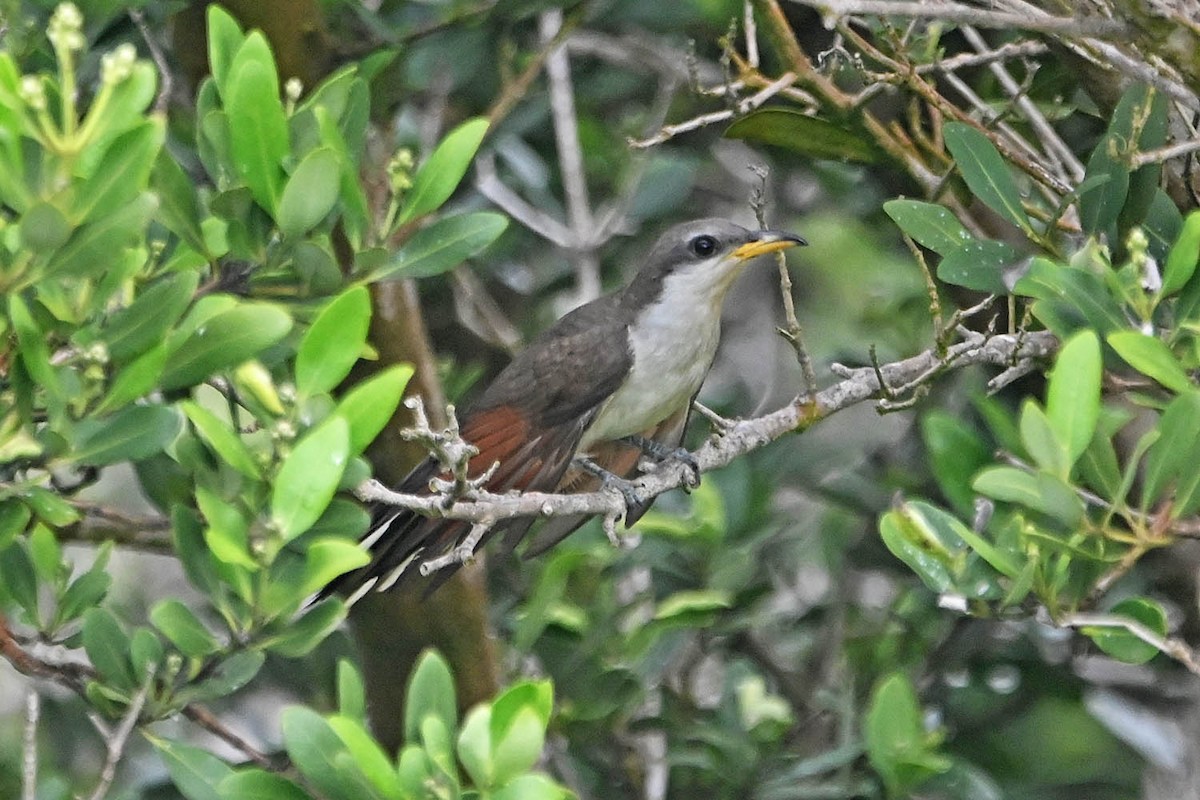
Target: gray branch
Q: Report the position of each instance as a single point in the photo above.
(738, 439)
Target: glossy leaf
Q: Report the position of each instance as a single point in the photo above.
(1100, 207)
(929, 225)
(224, 38)
(1171, 460)
(956, 452)
(1122, 645)
(326, 559)
(442, 246)
(130, 434)
(440, 175)
(1041, 441)
(351, 693)
(334, 342)
(183, 629)
(1075, 294)
(983, 265)
(430, 693)
(368, 756)
(222, 438)
(1183, 256)
(321, 756)
(123, 171)
(985, 171)
(370, 404)
(300, 637)
(136, 380)
(225, 341)
(196, 773)
(1041, 492)
(256, 784)
(896, 742)
(257, 125)
(310, 193)
(92, 247)
(309, 476)
(1151, 357)
(910, 538)
(144, 323)
(1073, 394)
(804, 134)
(107, 648)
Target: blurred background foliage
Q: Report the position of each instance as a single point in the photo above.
(761, 640)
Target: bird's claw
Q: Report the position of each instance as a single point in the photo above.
(609, 480)
(666, 454)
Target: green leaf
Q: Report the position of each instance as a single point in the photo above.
(225, 341)
(326, 559)
(19, 580)
(1076, 295)
(51, 507)
(310, 192)
(136, 380)
(227, 534)
(257, 124)
(196, 773)
(224, 39)
(804, 134)
(14, 517)
(321, 756)
(145, 650)
(334, 342)
(257, 784)
(1151, 357)
(1182, 258)
(368, 756)
(45, 554)
(180, 208)
(430, 693)
(183, 629)
(531, 787)
(956, 452)
(351, 694)
(134, 330)
(475, 745)
(439, 176)
(223, 439)
(985, 171)
(123, 171)
(370, 404)
(1073, 394)
(1100, 207)
(229, 675)
(300, 637)
(107, 648)
(929, 225)
(1043, 492)
(309, 476)
(1119, 642)
(1171, 460)
(94, 246)
(1041, 441)
(897, 745)
(983, 265)
(131, 434)
(516, 748)
(44, 228)
(442, 246)
(912, 539)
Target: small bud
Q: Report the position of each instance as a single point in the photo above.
(399, 170)
(283, 431)
(254, 379)
(33, 92)
(65, 30)
(118, 65)
(292, 89)
(96, 353)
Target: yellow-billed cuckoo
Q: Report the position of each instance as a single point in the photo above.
(611, 379)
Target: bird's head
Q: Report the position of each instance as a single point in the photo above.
(699, 260)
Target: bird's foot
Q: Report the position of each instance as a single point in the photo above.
(609, 480)
(665, 454)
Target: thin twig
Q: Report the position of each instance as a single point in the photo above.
(209, 722)
(1175, 648)
(166, 81)
(1164, 153)
(116, 740)
(744, 106)
(970, 15)
(29, 752)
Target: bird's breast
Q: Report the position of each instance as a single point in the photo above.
(672, 349)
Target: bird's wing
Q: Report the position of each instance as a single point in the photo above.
(619, 458)
(529, 420)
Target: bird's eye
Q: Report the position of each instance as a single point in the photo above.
(703, 246)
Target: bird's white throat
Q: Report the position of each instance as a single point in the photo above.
(673, 341)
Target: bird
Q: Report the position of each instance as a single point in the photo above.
(578, 407)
